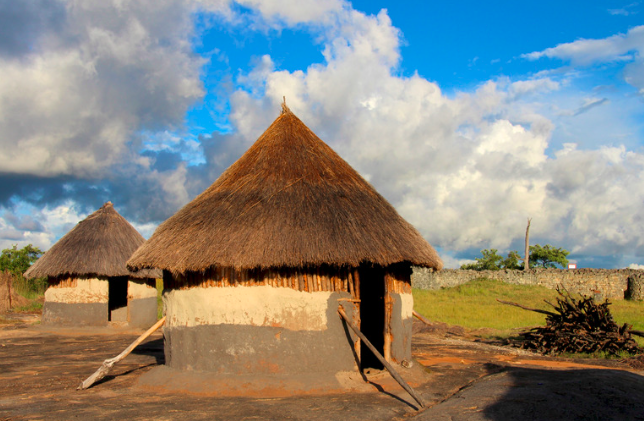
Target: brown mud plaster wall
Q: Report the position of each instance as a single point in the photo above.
(258, 329)
(141, 303)
(602, 283)
(81, 301)
(74, 314)
(6, 283)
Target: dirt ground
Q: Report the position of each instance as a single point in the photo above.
(40, 369)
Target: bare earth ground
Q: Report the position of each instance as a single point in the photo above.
(40, 369)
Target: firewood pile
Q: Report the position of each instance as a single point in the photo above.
(579, 326)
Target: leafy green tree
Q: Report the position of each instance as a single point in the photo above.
(490, 261)
(548, 256)
(512, 261)
(17, 261)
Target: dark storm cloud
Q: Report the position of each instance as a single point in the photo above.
(23, 22)
(23, 223)
(31, 188)
(140, 197)
(163, 160)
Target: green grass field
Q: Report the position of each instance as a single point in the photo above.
(474, 306)
(159, 286)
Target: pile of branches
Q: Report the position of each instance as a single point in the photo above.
(579, 326)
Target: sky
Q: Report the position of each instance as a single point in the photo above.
(469, 117)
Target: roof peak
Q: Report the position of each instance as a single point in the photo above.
(288, 201)
(285, 108)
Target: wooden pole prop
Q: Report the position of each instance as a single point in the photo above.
(536, 310)
(421, 318)
(526, 260)
(384, 362)
(107, 364)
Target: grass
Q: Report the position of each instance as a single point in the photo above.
(35, 305)
(474, 306)
(599, 354)
(29, 288)
(159, 286)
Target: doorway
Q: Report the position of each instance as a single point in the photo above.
(372, 314)
(117, 299)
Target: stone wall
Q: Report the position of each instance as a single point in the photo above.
(608, 283)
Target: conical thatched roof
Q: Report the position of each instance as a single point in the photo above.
(290, 200)
(98, 245)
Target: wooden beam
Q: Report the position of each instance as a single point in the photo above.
(109, 363)
(384, 362)
(549, 313)
(421, 318)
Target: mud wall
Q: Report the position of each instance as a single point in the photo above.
(78, 290)
(141, 303)
(257, 329)
(5, 291)
(401, 326)
(76, 302)
(602, 283)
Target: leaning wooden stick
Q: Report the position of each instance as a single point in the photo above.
(636, 333)
(546, 312)
(421, 318)
(384, 362)
(109, 363)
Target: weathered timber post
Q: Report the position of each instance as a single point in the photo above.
(107, 364)
(526, 260)
(384, 362)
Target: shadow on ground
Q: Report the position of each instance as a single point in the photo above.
(549, 395)
(152, 348)
(40, 370)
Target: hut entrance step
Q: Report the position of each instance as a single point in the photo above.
(118, 314)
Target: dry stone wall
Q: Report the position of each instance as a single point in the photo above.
(600, 283)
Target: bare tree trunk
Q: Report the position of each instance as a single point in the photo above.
(526, 260)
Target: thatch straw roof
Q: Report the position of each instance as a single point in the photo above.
(291, 201)
(98, 245)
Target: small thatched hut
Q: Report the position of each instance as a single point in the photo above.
(89, 284)
(255, 267)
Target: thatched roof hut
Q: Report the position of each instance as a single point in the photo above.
(99, 245)
(257, 265)
(89, 283)
(290, 200)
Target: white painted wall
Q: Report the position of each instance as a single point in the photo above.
(136, 290)
(254, 306)
(87, 290)
(407, 301)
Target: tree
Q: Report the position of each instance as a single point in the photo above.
(512, 261)
(17, 262)
(540, 257)
(490, 261)
(526, 260)
(548, 256)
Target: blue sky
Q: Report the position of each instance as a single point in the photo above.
(468, 117)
